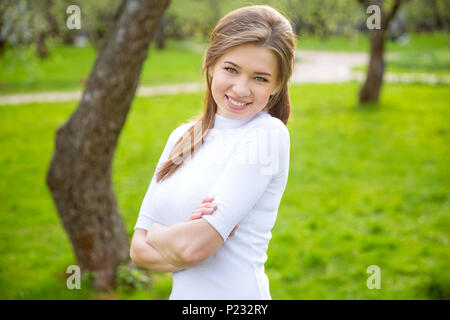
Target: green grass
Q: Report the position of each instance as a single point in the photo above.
(67, 68)
(366, 187)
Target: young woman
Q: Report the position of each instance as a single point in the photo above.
(226, 171)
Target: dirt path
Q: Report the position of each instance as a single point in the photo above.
(326, 66)
(310, 67)
(76, 95)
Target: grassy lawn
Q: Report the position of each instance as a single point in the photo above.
(68, 68)
(366, 187)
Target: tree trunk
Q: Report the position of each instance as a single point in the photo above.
(41, 47)
(370, 91)
(160, 37)
(79, 175)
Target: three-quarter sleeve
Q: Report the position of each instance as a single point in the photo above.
(147, 215)
(258, 158)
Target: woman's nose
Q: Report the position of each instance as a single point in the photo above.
(241, 88)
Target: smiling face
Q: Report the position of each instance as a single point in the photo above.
(243, 79)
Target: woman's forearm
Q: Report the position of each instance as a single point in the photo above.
(145, 256)
(152, 260)
(168, 242)
(185, 243)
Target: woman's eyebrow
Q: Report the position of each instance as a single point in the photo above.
(258, 73)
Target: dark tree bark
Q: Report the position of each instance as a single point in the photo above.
(79, 176)
(41, 47)
(3, 38)
(160, 37)
(371, 89)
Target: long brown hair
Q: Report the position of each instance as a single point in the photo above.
(261, 25)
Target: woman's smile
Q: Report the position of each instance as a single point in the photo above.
(236, 104)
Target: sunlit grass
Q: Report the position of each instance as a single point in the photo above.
(68, 68)
(366, 187)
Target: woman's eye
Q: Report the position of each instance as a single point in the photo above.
(261, 79)
(231, 70)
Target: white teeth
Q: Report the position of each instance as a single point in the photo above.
(239, 104)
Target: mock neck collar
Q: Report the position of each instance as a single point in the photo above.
(221, 122)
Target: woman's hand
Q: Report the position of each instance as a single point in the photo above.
(206, 207)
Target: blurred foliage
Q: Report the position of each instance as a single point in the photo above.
(427, 15)
(31, 22)
(307, 16)
(130, 278)
(38, 21)
(191, 18)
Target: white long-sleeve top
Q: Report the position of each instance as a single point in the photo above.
(244, 165)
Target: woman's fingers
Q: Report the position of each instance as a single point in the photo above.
(195, 216)
(201, 210)
(205, 207)
(199, 213)
(209, 199)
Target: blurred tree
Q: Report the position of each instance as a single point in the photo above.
(96, 16)
(28, 22)
(427, 15)
(35, 22)
(327, 17)
(321, 18)
(371, 88)
(79, 176)
(193, 18)
(160, 36)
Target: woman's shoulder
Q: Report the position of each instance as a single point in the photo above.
(180, 130)
(266, 122)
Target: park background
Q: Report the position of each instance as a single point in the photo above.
(368, 185)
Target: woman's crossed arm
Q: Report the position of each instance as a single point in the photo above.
(145, 256)
(170, 249)
(185, 244)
